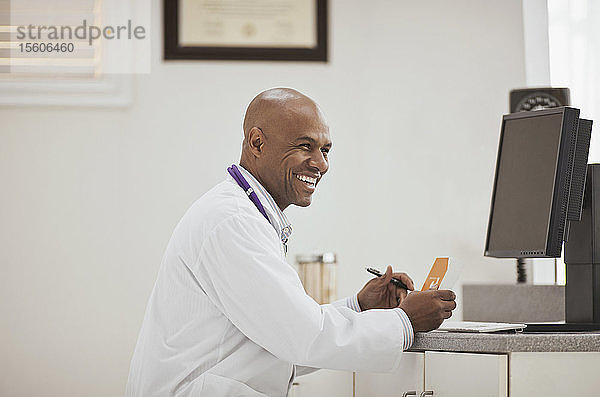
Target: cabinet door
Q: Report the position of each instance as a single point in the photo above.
(554, 374)
(323, 383)
(466, 374)
(408, 377)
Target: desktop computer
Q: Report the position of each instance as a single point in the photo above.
(539, 192)
(582, 256)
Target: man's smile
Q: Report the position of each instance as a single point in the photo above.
(309, 182)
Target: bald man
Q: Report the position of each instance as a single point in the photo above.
(228, 316)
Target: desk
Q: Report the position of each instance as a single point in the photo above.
(506, 343)
(464, 365)
(515, 365)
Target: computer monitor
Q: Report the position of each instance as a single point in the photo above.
(537, 185)
(537, 198)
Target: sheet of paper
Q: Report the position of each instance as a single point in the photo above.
(444, 272)
(452, 275)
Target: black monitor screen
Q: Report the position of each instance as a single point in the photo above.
(525, 177)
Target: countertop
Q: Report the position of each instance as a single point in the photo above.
(506, 343)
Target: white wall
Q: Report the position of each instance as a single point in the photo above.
(414, 93)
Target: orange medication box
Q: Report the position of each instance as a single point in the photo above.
(436, 274)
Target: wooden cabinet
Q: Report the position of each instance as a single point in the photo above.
(554, 374)
(466, 374)
(451, 374)
(445, 374)
(408, 377)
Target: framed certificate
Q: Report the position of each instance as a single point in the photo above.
(286, 30)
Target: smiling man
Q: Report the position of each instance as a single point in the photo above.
(228, 316)
(288, 165)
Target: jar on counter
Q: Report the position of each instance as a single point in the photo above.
(318, 275)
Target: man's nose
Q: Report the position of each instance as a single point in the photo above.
(319, 162)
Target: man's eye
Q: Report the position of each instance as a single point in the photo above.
(325, 151)
(305, 145)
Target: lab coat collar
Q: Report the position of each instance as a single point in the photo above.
(277, 218)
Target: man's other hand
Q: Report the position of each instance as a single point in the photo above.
(380, 293)
(427, 309)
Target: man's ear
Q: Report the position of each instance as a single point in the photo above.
(255, 142)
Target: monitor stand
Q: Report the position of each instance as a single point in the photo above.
(582, 300)
(582, 257)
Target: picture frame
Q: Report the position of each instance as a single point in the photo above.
(294, 30)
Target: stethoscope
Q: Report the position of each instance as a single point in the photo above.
(239, 178)
(243, 183)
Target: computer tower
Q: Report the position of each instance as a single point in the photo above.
(582, 256)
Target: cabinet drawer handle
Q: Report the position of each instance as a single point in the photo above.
(409, 393)
(427, 393)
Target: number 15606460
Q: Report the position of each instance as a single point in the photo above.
(46, 47)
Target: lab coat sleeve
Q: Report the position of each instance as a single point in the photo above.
(241, 269)
(350, 302)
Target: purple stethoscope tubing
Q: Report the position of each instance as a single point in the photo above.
(239, 178)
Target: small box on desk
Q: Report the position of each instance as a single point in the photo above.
(513, 303)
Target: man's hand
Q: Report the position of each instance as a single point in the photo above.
(380, 293)
(427, 309)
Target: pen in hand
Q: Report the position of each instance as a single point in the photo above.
(395, 281)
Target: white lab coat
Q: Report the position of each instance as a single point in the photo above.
(229, 317)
